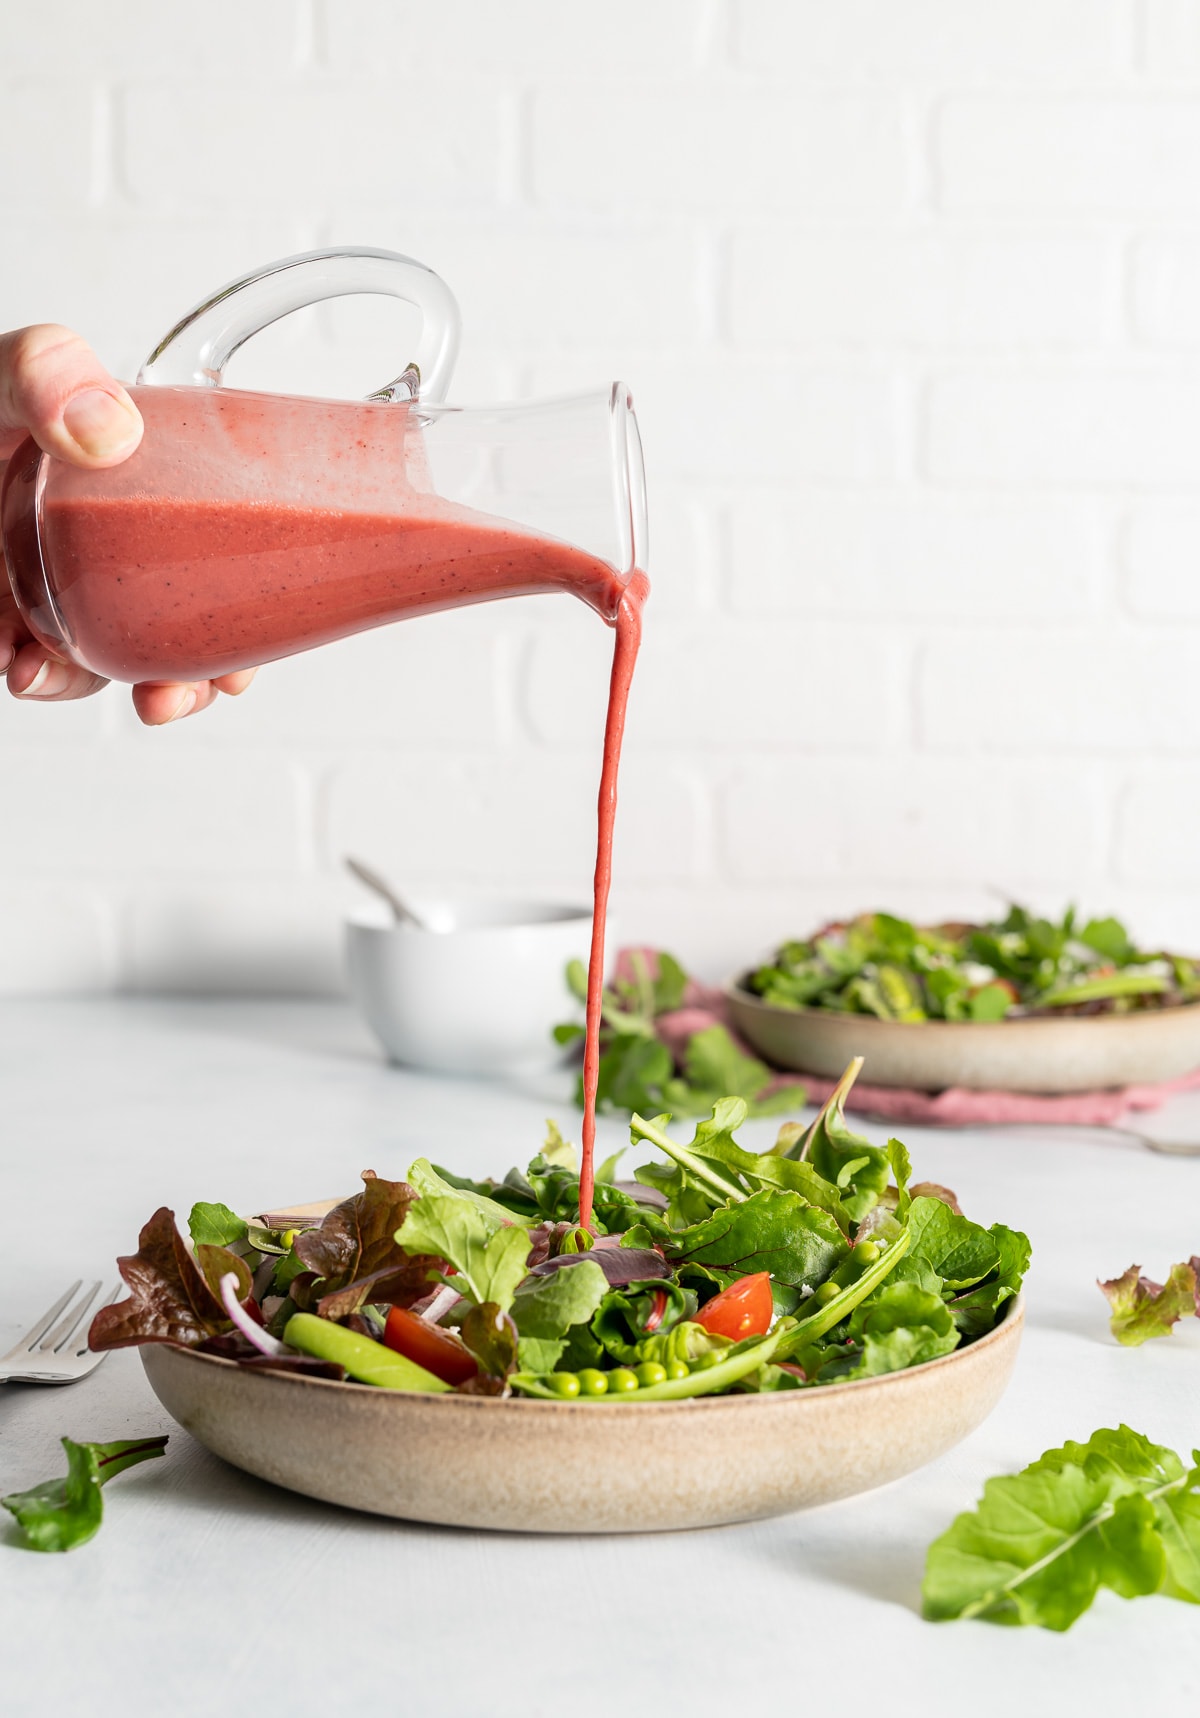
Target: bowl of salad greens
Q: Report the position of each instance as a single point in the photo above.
(738, 1334)
(1020, 1003)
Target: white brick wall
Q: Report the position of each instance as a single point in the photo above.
(908, 292)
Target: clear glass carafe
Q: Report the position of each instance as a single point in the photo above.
(248, 526)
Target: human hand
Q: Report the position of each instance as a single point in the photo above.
(54, 388)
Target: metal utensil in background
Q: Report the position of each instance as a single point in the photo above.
(403, 912)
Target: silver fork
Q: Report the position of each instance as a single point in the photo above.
(52, 1353)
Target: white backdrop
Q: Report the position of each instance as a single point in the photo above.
(908, 293)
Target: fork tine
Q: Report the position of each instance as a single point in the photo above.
(61, 1334)
(79, 1346)
(43, 1324)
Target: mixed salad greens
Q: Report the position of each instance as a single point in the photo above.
(1017, 966)
(637, 1069)
(715, 1269)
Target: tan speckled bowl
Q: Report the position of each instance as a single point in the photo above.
(575, 1467)
(1074, 1054)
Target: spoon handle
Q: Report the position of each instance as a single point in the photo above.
(365, 874)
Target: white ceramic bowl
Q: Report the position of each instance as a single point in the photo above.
(479, 992)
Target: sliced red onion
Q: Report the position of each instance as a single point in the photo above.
(254, 1333)
(440, 1304)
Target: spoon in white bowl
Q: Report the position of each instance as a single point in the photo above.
(403, 912)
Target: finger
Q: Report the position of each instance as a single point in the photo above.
(158, 703)
(34, 675)
(235, 684)
(53, 387)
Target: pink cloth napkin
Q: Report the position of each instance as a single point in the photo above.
(956, 1107)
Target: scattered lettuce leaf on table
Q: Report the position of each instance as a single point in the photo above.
(1117, 1512)
(60, 1514)
(1141, 1308)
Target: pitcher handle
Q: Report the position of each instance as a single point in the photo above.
(196, 351)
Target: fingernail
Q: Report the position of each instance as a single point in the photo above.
(7, 655)
(184, 707)
(50, 679)
(101, 424)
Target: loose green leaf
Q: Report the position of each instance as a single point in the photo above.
(60, 1514)
(215, 1225)
(1142, 1309)
(1042, 1543)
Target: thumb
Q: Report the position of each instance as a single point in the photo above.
(53, 387)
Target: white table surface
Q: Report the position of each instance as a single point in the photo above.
(206, 1587)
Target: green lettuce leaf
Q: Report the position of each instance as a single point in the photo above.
(60, 1514)
(545, 1309)
(975, 1310)
(490, 1260)
(1142, 1309)
(1117, 1512)
(771, 1231)
(960, 1252)
(215, 1225)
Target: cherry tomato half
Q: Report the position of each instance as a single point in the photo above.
(436, 1350)
(743, 1309)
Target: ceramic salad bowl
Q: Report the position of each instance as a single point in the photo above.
(1072, 1054)
(582, 1467)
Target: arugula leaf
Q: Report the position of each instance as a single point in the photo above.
(858, 1169)
(215, 1225)
(1117, 1512)
(713, 1152)
(60, 1514)
(772, 1231)
(490, 1260)
(1142, 1309)
(169, 1301)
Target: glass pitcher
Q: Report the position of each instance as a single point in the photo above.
(248, 526)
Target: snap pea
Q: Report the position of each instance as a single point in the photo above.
(650, 1372)
(622, 1381)
(366, 1361)
(835, 1309)
(593, 1382)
